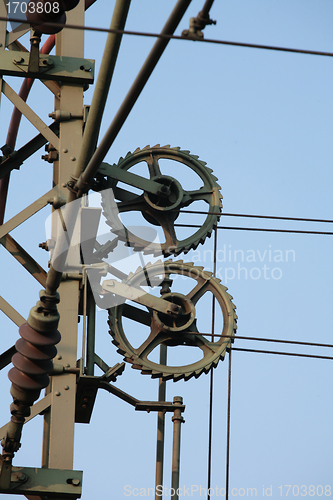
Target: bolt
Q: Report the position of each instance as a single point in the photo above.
(67, 365)
(0, 44)
(85, 400)
(45, 62)
(59, 357)
(84, 406)
(44, 245)
(19, 60)
(66, 387)
(65, 150)
(21, 476)
(73, 158)
(75, 482)
(58, 393)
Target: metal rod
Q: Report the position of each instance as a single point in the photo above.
(91, 316)
(84, 327)
(102, 86)
(133, 94)
(210, 424)
(160, 428)
(206, 8)
(228, 430)
(177, 420)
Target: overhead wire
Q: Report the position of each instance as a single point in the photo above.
(188, 38)
(265, 339)
(272, 217)
(281, 353)
(276, 217)
(297, 231)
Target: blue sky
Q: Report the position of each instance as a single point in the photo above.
(262, 120)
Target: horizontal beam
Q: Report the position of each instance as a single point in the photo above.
(46, 482)
(59, 68)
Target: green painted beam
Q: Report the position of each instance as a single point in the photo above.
(33, 481)
(60, 68)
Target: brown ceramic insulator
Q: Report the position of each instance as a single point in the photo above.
(31, 368)
(32, 362)
(30, 351)
(39, 339)
(27, 383)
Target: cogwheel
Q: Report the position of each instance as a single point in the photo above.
(160, 209)
(171, 331)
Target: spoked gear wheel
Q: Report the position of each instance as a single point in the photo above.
(172, 331)
(162, 210)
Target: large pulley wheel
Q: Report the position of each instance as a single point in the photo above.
(161, 210)
(174, 331)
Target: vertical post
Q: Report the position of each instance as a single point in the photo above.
(91, 317)
(58, 438)
(228, 429)
(160, 428)
(4, 181)
(210, 425)
(3, 25)
(177, 420)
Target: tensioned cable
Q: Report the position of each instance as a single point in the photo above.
(275, 217)
(297, 231)
(317, 356)
(283, 353)
(261, 339)
(177, 37)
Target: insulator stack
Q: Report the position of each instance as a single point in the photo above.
(48, 11)
(32, 363)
